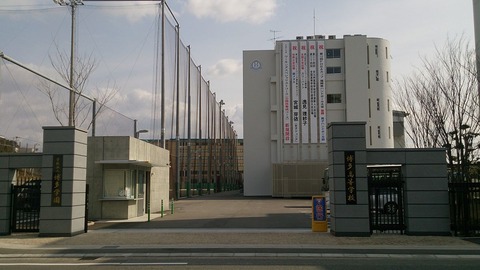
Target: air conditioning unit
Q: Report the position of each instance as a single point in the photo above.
(299, 37)
(332, 37)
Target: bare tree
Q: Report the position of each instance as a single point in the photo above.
(84, 67)
(443, 105)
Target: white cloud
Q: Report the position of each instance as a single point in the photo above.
(225, 67)
(134, 12)
(252, 11)
(235, 114)
(24, 4)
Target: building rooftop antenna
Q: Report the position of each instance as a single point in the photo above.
(275, 37)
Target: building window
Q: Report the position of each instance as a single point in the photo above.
(377, 75)
(141, 183)
(333, 70)
(334, 98)
(389, 133)
(368, 55)
(378, 104)
(333, 53)
(376, 50)
(119, 184)
(386, 52)
(369, 108)
(378, 132)
(388, 104)
(370, 134)
(368, 74)
(388, 77)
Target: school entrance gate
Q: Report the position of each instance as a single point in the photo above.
(26, 205)
(385, 192)
(399, 190)
(54, 205)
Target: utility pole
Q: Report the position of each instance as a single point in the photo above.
(71, 104)
(200, 167)
(162, 122)
(189, 126)
(177, 128)
(219, 188)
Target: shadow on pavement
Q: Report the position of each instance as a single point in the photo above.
(226, 210)
(272, 221)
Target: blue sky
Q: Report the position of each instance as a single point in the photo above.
(120, 37)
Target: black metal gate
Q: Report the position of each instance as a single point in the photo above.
(26, 206)
(385, 192)
(465, 208)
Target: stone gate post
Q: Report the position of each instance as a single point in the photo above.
(63, 181)
(347, 157)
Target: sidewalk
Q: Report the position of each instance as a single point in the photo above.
(230, 223)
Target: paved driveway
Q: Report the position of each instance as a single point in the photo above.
(227, 210)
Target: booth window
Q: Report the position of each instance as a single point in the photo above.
(119, 184)
(141, 184)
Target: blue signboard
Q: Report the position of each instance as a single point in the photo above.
(319, 209)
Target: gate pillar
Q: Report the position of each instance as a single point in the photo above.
(6, 176)
(63, 181)
(347, 157)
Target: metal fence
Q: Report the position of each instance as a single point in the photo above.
(465, 208)
(385, 192)
(25, 215)
(182, 105)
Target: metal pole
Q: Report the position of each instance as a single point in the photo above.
(219, 188)
(161, 210)
(94, 116)
(2, 55)
(189, 126)
(177, 131)
(71, 104)
(135, 129)
(200, 166)
(209, 140)
(215, 146)
(162, 122)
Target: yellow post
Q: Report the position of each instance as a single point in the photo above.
(319, 214)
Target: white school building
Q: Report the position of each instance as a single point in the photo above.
(291, 94)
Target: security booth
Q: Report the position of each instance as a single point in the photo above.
(124, 188)
(126, 176)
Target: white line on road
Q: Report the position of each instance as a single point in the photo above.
(92, 264)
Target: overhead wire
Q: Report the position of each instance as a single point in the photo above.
(19, 90)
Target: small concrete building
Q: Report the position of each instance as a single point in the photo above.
(125, 175)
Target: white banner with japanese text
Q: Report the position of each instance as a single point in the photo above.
(312, 76)
(322, 92)
(295, 93)
(304, 91)
(287, 137)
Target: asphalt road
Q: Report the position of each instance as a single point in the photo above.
(229, 231)
(330, 263)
